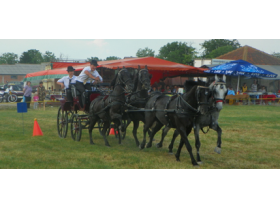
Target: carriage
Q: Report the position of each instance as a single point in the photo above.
(70, 112)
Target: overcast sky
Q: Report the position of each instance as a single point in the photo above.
(102, 48)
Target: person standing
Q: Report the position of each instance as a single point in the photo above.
(42, 93)
(35, 100)
(27, 90)
(88, 75)
(65, 82)
(244, 88)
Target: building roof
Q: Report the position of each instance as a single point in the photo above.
(21, 69)
(251, 55)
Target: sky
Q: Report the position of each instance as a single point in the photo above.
(103, 48)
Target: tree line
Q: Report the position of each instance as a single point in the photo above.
(179, 52)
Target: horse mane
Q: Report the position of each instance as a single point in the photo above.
(189, 84)
(113, 82)
(135, 81)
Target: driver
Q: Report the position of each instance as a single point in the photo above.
(65, 82)
(88, 74)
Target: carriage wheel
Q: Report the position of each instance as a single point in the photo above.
(62, 123)
(76, 128)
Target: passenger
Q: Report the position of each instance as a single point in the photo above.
(88, 74)
(65, 82)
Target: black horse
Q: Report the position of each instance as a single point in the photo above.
(138, 99)
(218, 92)
(176, 112)
(110, 108)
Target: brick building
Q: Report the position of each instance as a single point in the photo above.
(17, 72)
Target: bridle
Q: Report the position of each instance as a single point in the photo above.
(121, 79)
(139, 76)
(222, 84)
(197, 93)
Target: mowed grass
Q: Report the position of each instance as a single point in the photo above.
(250, 140)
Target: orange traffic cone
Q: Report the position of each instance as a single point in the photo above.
(112, 132)
(36, 129)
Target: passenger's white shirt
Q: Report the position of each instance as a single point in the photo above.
(65, 80)
(83, 77)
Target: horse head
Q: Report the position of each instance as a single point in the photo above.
(202, 98)
(201, 93)
(219, 91)
(144, 78)
(124, 78)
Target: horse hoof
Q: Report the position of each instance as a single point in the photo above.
(141, 147)
(170, 153)
(107, 145)
(91, 143)
(196, 166)
(158, 145)
(148, 146)
(200, 162)
(218, 150)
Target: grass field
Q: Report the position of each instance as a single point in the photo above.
(250, 139)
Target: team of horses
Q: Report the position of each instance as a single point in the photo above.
(198, 107)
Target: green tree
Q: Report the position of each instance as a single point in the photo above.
(93, 58)
(276, 54)
(214, 44)
(31, 56)
(220, 51)
(112, 58)
(49, 57)
(145, 52)
(8, 58)
(178, 52)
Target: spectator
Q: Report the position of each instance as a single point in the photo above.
(168, 90)
(263, 90)
(27, 90)
(254, 86)
(35, 99)
(175, 89)
(244, 88)
(42, 93)
(231, 91)
(159, 88)
(161, 82)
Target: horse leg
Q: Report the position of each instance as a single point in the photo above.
(218, 149)
(90, 128)
(170, 147)
(135, 127)
(177, 155)
(106, 125)
(163, 134)
(187, 143)
(197, 142)
(145, 129)
(154, 131)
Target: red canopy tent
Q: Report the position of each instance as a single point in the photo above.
(159, 68)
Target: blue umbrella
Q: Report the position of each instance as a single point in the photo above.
(241, 68)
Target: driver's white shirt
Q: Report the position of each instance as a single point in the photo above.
(83, 77)
(65, 80)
